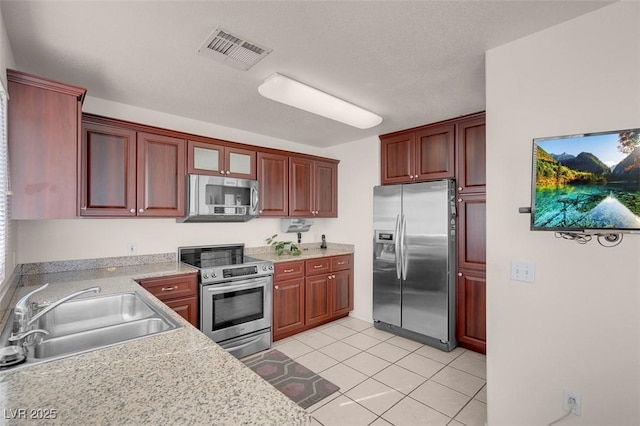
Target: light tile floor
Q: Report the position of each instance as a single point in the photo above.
(387, 380)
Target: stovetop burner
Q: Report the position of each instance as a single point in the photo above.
(220, 263)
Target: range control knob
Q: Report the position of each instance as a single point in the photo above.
(214, 275)
(205, 276)
(264, 268)
(271, 267)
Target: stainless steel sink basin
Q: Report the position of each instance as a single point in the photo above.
(98, 337)
(88, 314)
(84, 325)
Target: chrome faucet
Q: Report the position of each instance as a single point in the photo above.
(59, 302)
(24, 316)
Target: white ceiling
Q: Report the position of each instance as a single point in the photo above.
(410, 62)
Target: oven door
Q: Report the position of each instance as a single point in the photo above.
(235, 308)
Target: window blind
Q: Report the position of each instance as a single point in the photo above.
(4, 185)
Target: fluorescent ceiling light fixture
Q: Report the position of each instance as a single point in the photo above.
(283, 89)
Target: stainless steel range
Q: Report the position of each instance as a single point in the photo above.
(235, 296)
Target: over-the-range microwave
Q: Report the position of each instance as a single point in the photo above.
(221, 199)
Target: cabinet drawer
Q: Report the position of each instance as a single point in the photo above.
(318, 266)
(288, 270)
(172, 287)
(339, 263)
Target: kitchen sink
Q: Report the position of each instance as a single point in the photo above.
(93, 323)
(83, 341)
(88, 314)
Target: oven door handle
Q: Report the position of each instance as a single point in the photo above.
(240, 285)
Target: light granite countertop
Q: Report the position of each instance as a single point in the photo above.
(308, 251)
(179, 377)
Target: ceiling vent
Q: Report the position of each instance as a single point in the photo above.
(232, 50)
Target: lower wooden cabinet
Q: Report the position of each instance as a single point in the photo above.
(179, 292)
(471, 312)
(310, 293)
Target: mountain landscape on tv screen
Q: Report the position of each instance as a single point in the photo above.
(579, 191)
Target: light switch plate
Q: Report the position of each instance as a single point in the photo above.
(523, 271)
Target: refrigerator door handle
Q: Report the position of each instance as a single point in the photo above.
(404, 248)
(397, 247)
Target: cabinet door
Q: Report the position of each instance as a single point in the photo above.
(288, 308)
(273, 176)
(205, 158)
(396, 156)
(471, 152)
(108, 171)
(161, 176)
(325, 189)
(317, 300)
(434, 152)
(471, 330)
(300, 187)
(218, 159)
(472, 231)
(240, 163)
(43, 124)
(187, 308)
(341, 291)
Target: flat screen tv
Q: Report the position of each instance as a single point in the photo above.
(587, 183)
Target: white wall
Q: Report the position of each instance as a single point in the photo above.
(359, 172)
(578, 326)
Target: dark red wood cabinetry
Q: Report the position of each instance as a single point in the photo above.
(273, 176)
(43, 120)
(127, 172)
(313, 188)
(179, 292)
(218, 158)
(288, 299)
(425, 153)
(310, 293)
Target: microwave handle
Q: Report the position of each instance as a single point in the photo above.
(254, 198)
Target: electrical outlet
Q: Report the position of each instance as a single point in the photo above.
(568, 395)
(132, 248)
(523, 271)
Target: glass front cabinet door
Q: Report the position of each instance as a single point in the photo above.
(206, 158)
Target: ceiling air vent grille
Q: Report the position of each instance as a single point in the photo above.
(232, 49)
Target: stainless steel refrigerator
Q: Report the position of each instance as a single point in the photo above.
(414, 261)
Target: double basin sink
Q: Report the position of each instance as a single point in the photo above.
(88, 324)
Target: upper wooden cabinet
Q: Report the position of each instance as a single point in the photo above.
(217, 159)
(273, 176)
(43, 129)
(313, 188)
(471, 153)
(426, 153)
(124, 172)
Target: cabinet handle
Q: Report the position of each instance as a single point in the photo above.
(459, 274)
(329, 277)
(276, 287)
(459, 200)
(221, 172)
(132, 211)
(227, 172)
(344, 262)
(459, 188)
(318, 266)
(141, 211)
(260, 211)
(83, 208)
(175, 287)
(287, 270)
